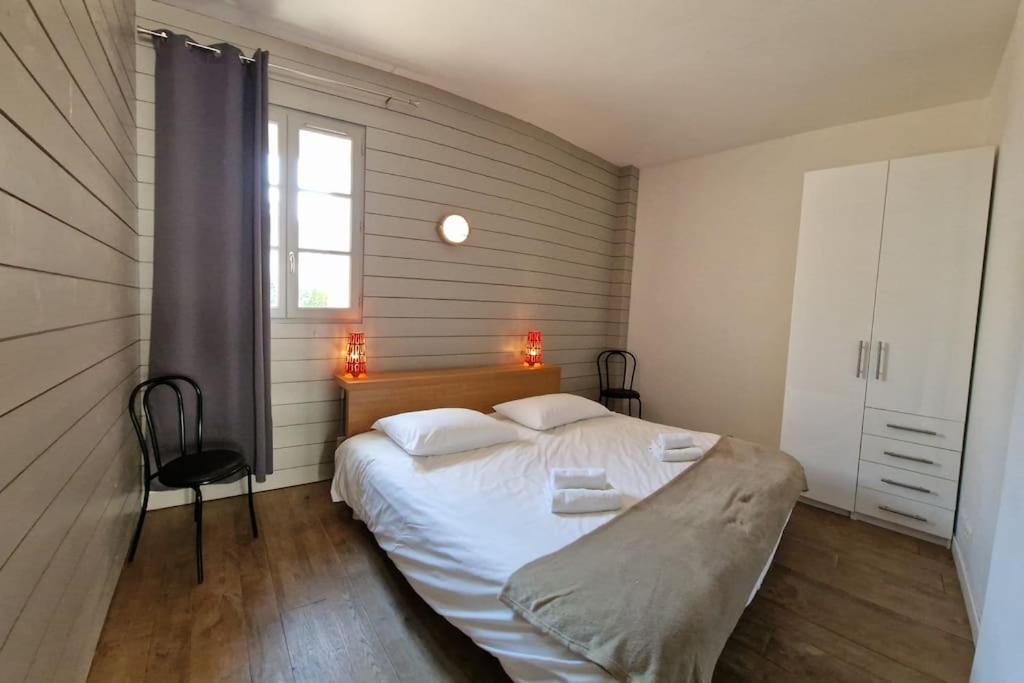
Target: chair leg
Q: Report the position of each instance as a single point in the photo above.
(199, 534)
(640, 408)
(252, 507)
(138, 527)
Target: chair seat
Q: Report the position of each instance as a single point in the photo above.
(620, 393)
(201, 468)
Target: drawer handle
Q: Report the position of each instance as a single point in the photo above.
(911, 458)
(890, 482)
(927, 432)
(894, 511)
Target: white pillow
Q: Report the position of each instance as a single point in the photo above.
(551, 410)
(444, 430)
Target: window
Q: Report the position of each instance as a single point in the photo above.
(315, 179)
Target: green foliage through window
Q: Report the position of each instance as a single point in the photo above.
(313, 298)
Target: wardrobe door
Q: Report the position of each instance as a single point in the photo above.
(926, 306)
(833, 298)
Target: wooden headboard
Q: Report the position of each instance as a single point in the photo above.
(386, 393)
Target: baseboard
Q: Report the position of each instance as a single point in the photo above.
(293, 476)
(900, 529)
(965, 587)
(824, 506)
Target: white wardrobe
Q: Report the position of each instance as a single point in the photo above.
(881, 344)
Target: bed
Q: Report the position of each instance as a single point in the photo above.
(458, 526)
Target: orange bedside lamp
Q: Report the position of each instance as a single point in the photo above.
(355, 355)
(533, 354)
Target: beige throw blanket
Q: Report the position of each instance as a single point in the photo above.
(654, 594)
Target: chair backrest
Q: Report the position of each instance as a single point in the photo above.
(604, 368)
(146, 389)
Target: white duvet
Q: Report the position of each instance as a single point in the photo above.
(457, 526)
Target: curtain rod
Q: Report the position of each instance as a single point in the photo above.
(387, 98)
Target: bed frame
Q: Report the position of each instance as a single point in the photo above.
(387, 393)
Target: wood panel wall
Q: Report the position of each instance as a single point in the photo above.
(551, 246)
(69, 351)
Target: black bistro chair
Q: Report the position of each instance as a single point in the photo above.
(187, 469)
(623, 391)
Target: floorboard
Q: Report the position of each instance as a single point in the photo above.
(315, 599)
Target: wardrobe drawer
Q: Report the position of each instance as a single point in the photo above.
(908, 513)
(907, 484)
(929, 431)
(937, 462)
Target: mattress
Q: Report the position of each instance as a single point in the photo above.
(457, 526)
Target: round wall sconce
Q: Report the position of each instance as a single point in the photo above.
(454, 229)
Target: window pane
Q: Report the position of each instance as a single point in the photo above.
(325, 162)
(275, 262)
(274, 197)
(324, 280)
(273, 158)
(325, 222)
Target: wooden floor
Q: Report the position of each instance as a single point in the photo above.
(314, 599)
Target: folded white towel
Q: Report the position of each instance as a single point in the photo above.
(579, 478)
(677, 454)
(585, 500)
(671, 440)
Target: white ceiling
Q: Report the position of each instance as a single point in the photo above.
(649, 81)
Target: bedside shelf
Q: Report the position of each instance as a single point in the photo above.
(479, 388)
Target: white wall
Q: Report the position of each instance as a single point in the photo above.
(712, 290)
(999, 658)
(551, 246)
(988, 537)
(69, 320)
(714, 262)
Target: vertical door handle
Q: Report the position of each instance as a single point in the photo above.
(878, 363)
(291, 261)
(860, 358)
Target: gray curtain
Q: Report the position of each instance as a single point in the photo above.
(211, 283)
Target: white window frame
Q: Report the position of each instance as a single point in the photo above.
(289, 123)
